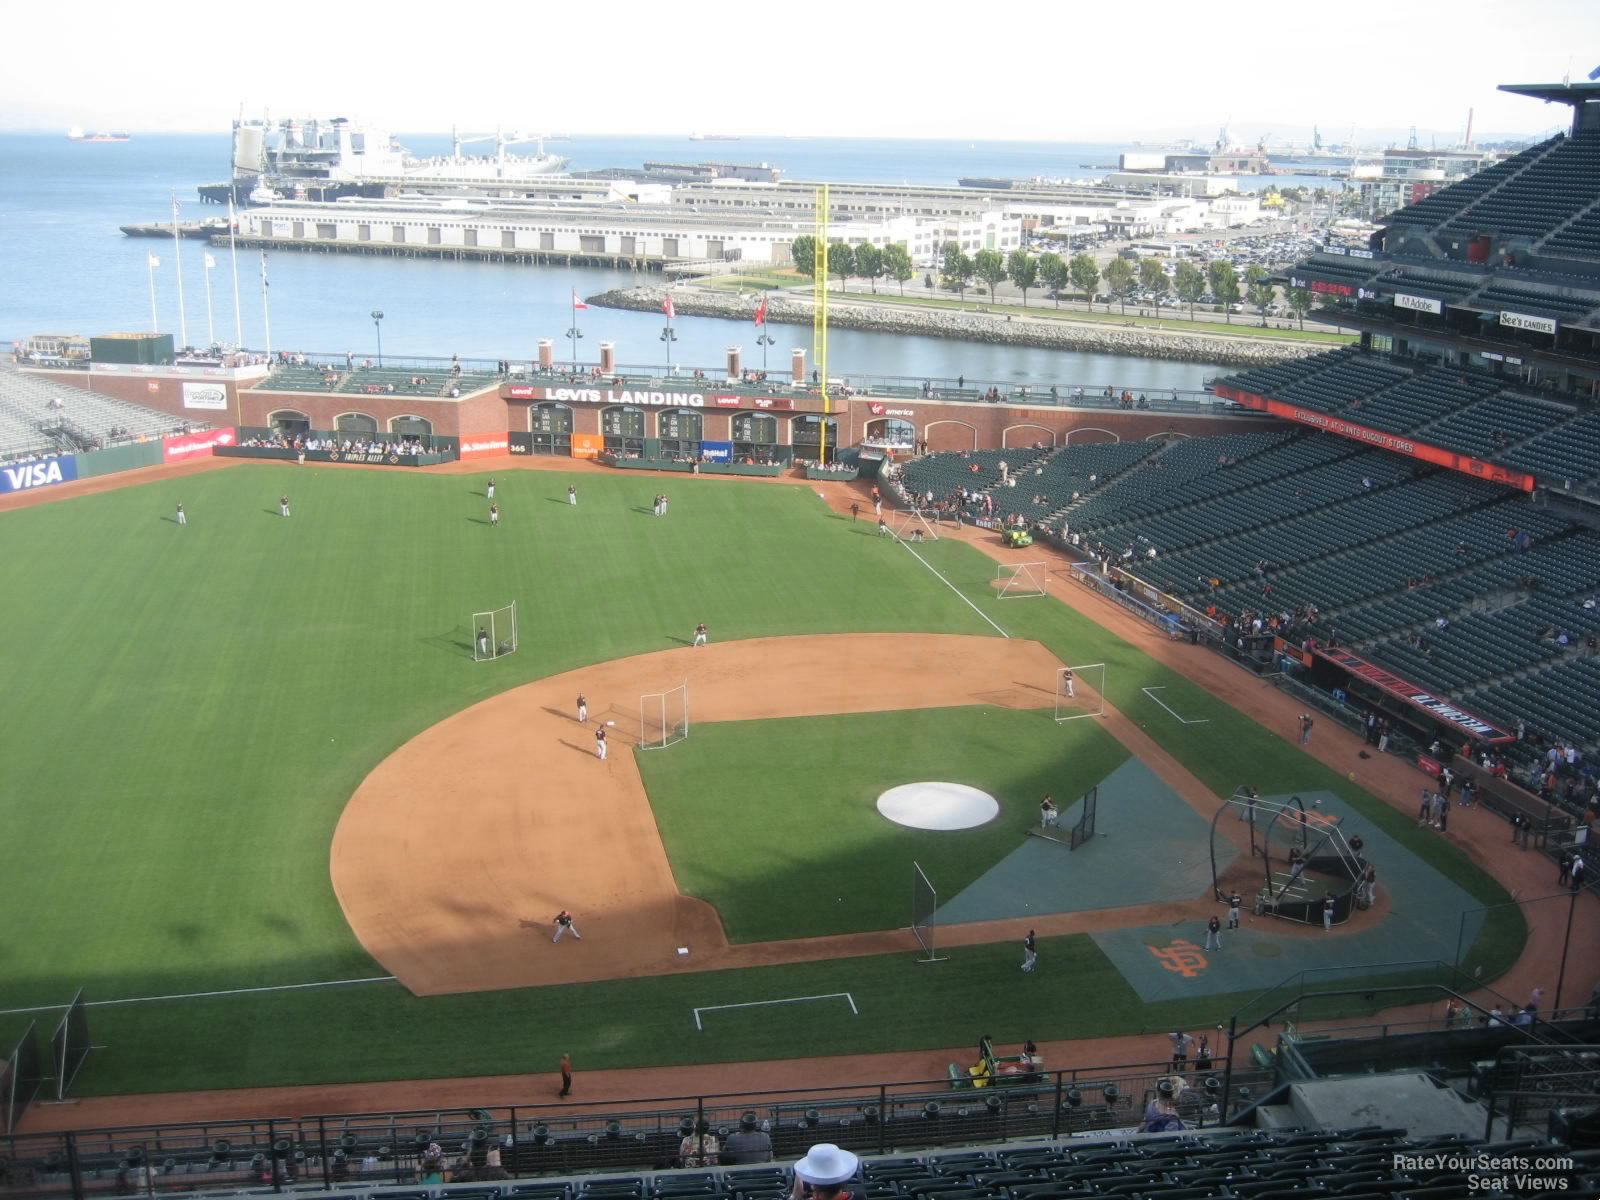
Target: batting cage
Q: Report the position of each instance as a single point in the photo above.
(1084, 829)
(911, 526)
(924, 903)
(1080, 691)
(664, 717)
(69, 1044)
(20, 1076)
(1298, 858)
(1016, 580)
(494, 633)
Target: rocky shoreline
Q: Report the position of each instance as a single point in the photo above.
(971, 327)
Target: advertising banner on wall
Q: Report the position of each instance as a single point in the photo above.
(30, 476)
(210, 396)
(1419, 698)
(717, 451)
(183, 446)
(521, 443)
(1421, 451)
(483, 445)
(587, 445)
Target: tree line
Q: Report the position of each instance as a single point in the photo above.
(1079, 273)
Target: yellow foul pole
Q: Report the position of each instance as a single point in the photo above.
(819, 314)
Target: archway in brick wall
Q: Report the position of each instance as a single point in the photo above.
(950, 435)
(1026, 435)
(1075, 437)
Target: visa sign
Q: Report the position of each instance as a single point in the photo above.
(23, 477)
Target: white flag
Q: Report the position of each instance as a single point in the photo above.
(210, 262)
(154, 261)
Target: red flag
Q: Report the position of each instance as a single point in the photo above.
(666, 307)
(761, 312)
(576, 303)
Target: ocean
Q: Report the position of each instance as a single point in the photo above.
(68, 269)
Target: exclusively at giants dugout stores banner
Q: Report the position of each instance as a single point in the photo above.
(1436, 455)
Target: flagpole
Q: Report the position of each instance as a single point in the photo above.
(233, 248)
(266, 307)
(572, 329)
(211, 330)
(177, 259)
(151, 262)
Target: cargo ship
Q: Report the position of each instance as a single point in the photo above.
(76, 134)
(326, 159)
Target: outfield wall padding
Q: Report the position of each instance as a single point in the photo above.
(119, 458)
(683, 468)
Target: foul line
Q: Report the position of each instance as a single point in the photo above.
(281, 987)
(845, 996)
(954, 589)
(1151, 692)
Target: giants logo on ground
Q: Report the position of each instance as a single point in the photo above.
(22, 477)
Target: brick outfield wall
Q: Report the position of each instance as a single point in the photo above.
(944, 425)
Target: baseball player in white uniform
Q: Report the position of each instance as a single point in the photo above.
(1066, 682)
(700, 634)
(494, 514)
(583, 709)
(183, 517)
(283, 506)
(490, 492)
(483, 643)
(600, 743)
(572, 494)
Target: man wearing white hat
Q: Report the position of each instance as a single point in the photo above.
(823, 1172)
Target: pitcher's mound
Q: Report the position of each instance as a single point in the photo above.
(938, 805)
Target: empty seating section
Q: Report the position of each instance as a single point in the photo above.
(1080, 469)
(1567, 452)
(1383, 567)
(301, 379)
(974, 470)
(1354, 378)
(30, 403)
(1502, 296)
(1513, 417)
(1163, 478)
(1421, 399)
(1342, 269)
(1562, 699)
(1432, 211)
(1267, 381)
(1545, 193)
(1430, 283)
(1580, 239)
(1262, 535)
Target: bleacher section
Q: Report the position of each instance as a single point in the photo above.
(397, 381)
(1545, 192)
(38, 413)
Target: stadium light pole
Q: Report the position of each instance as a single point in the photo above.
(377, 324)
(764, 340)
(576, 335)
(668, 336)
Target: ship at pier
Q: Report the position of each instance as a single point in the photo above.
(325, 159)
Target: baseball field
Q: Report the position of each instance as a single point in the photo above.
(263, 806)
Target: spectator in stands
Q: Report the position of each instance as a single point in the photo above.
(1161, 1114)
(431, 1169)
(823, 1172)
(699, 1148)
(749, 1143)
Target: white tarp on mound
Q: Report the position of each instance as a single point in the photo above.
(938, 805)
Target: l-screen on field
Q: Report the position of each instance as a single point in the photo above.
(193, 709)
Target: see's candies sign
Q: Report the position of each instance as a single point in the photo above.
(26, 477)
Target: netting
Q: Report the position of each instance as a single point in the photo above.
(1017, 580)
(494, 633)
(924, 903)
(1080, 691)
(1084, 829)
(69, 1044)
(663, 717)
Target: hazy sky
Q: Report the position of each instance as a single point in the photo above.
(1080, 71)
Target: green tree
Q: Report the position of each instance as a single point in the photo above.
(897, 264)
(1120, 279)
(869, 263)
(1300, 302)
(1053, 273)
(1153, 278)
(1261, 291)
(1024, 271)
(1085, 275)
(957, 267)
(1224, 282)
(1189, 284)
(841, 261)
(804, 252)
(990, 266)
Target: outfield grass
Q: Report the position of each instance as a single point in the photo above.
(189, 708)
(791, 815)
